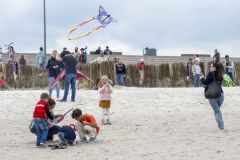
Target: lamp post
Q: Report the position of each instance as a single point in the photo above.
(145, 53)
(44, 23)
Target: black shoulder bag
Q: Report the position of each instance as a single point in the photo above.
(213, 90)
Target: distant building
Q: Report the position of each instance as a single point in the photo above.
(192, 55)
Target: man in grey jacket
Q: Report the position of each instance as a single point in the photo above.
(229, 67)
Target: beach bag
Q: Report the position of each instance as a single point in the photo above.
(213, 90)
(32, 127)
(228, 81)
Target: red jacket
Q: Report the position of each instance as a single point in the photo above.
(40, 109)
(90, 119)
(141, 65)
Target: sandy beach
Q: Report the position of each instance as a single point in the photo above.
(147, 124)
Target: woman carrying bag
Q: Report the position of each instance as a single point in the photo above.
(213, 91)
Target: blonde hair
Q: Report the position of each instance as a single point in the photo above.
(104, 77)
(54, 52)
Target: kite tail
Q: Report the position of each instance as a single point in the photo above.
(85, 34)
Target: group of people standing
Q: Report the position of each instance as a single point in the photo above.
(79, 54)
(193, 66)
(55, 65)
(215, 74)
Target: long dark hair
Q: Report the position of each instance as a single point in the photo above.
(219, 69)
(51, 103)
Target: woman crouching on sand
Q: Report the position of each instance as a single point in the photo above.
(215, 74)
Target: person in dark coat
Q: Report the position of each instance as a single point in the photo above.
(67, 134)
(216, 74)
(54, 68)
(120, 71)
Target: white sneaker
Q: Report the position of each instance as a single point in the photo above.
(42, 145)
(109, 122)
(92, 140)
(82, 140)
(104, 122)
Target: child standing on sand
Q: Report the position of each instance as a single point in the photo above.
(105, 90)
(39, 118)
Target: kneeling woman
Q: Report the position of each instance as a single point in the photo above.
(215, 74)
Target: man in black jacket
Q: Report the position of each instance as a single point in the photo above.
(216, 57)
(70, 65)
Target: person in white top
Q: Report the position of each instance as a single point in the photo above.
(100, 59)
(196, 69)
(196, 58)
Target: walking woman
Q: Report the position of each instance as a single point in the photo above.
(54, 67)
(216, 74)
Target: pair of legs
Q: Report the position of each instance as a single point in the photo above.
(52, 131)
(41, 66)
(105, 116)
(42, 130)
(63, 138)
(216, 104)
(51, 80)
(69, 79)
(196, 80)
(120, 79)
(85, 130)
(141, 73)
(84, 61)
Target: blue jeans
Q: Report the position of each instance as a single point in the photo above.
(216, 104)
(52, 131)
(196, 80)
(120, 79)
(84, 59)
(63, 139)
(61, 136)
(42, 130)
(51, 80)
(41, 66)
(69, 79)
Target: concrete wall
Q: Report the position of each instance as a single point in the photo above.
(127, 59)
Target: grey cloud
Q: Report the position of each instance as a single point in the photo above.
(166, 25)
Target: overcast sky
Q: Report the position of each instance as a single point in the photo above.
(172, 27)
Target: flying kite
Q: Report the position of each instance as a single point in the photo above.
(8, 45)
(103, 18)
(78, 75)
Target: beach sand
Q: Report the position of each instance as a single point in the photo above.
(147, 124)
